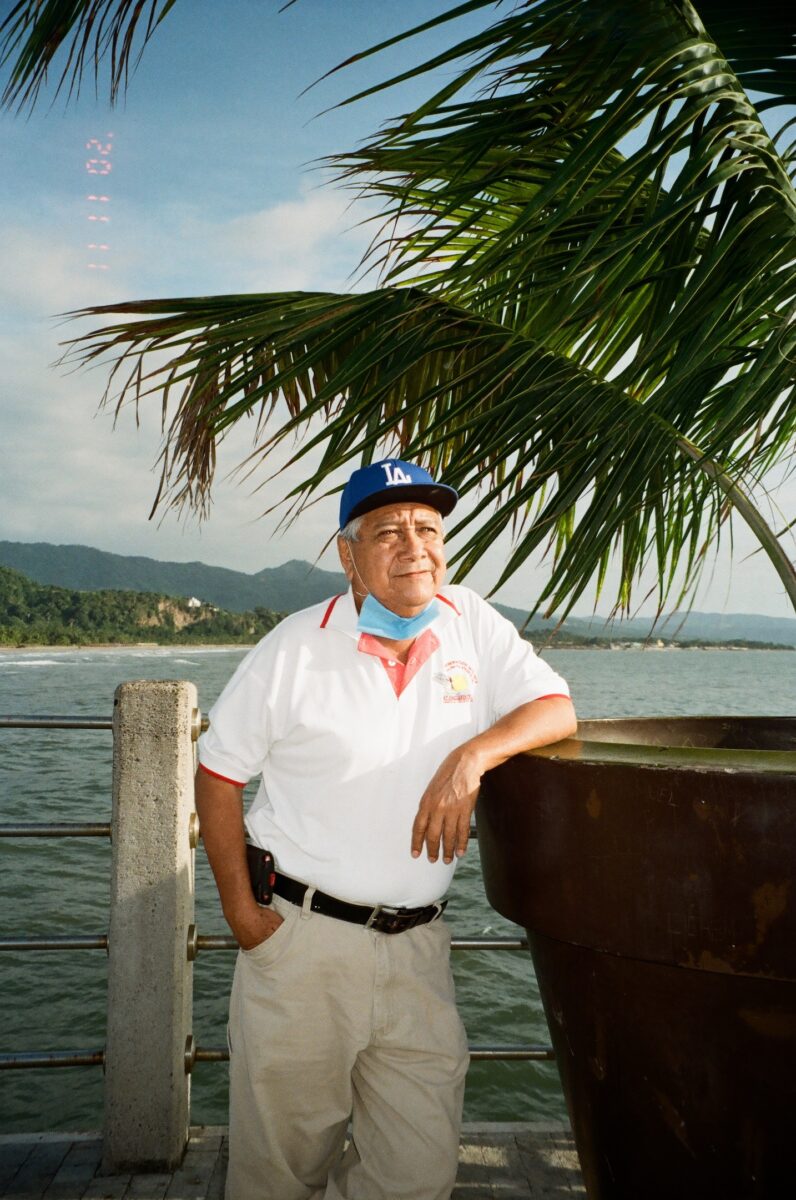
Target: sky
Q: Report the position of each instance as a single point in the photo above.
(211, 189)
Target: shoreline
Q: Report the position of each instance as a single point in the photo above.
(540, 646)
(37, 648)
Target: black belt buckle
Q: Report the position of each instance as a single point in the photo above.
(385, 919)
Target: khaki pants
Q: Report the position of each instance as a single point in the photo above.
(330, 1021)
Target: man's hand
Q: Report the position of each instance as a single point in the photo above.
(219, 805)
(447, 805)
(448, 802)
(254, 926)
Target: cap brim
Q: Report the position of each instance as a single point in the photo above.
(435, 495)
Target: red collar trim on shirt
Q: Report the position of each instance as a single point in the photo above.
(450, 603)
(328, 612)
(368, 644)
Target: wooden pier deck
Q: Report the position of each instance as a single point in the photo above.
(512, 1161)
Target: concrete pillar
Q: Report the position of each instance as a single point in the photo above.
(147, 1104)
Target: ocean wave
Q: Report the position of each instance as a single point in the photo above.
(34, 662)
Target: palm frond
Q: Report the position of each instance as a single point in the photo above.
(84, 33)
(666, 265)
(587, 324)
(758, 43)
(528, 433)
(528, 204)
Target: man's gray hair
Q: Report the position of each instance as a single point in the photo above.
(350, 532)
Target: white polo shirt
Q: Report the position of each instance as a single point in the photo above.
(346, 739)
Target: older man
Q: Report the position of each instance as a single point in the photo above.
(371, 719)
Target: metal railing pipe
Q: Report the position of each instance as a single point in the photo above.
(91, 941)
(207, 941)
(74, 721)
(219, 1054)
(501, 943)
(24, 1060)
(67, 721)
(512, 1053)
(57, 829)
(36, 1059)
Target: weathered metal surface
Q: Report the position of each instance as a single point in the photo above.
(680, 1082)
(690, 867)
(712, 733)
(657, 884)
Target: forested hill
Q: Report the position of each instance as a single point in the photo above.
(38, 614)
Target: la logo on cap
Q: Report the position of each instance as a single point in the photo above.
(395, 474)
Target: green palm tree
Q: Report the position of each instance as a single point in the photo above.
(586, 312)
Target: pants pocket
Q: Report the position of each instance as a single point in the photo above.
(268, 951)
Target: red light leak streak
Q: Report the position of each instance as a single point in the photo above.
(99, 164)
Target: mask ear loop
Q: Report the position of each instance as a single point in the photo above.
(361, 595)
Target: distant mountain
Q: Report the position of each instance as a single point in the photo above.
(285, 589)
(677, 626)
(298, 584)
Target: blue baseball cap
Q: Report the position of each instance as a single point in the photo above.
(393, 481)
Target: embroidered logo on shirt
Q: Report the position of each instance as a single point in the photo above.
(458, 680)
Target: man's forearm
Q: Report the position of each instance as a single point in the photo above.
(443, 817)
(220, 809)
(537, 723)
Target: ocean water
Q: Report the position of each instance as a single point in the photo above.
(56, 1000)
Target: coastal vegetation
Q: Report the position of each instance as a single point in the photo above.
(586, 318)
(298, 584)
(33, 614)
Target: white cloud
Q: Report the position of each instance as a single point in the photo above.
(65, 475)
(298, 244)
(310, 243)
(45, 274)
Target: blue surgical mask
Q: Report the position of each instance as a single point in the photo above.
(375, 618)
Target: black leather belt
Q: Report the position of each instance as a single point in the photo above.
(381, 917)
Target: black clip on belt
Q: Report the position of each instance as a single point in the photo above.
(383, 918)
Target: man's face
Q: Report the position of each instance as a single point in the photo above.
(399, 558)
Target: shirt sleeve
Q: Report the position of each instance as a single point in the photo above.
(236, 745)
(516, 674)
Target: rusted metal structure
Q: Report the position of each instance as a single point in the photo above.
(653, 864)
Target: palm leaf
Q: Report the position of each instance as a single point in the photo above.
(36, 32)
(667, 267)
(588, 318)
(529, 433)
(524, 207)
